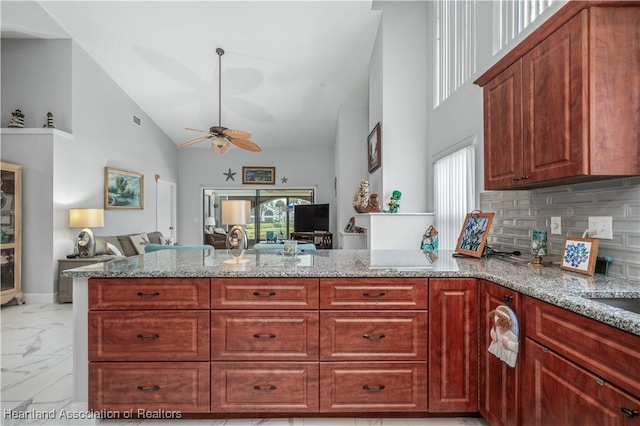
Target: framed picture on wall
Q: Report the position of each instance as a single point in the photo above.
(374, 149)
(474, 233)
(259, 175)
(123, 190)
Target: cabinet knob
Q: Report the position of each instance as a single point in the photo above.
(264, 336)
(154, 294)
(264, 294)
(366, 336)
(515, 178)
(265, 388)
(154, 388)
(524, 177)
(148, 336)
(381, 294)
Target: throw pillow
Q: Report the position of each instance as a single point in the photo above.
(114, 250)
(139, 242)
(220, 231)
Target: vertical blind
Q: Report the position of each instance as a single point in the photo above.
(455, 46)
(454, 194)
(512, 17)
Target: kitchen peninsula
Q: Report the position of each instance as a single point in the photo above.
(330, 332)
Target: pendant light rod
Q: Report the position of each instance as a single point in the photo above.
(220, 52)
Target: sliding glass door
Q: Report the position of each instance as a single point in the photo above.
(272, 210)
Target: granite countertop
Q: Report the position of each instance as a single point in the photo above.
(550, 284)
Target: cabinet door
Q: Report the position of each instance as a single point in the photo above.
(503, 129)
(499, 383)
(453, 345)
(561, 393)
(555, 110)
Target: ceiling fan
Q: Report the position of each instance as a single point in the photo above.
(221, 137)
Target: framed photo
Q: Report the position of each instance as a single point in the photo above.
(374, 149)
(473, 236)
(579, 255)
(123, 190)
(259, 175)
(6, 202)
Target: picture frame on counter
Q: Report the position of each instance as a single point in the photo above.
(374, 149)
(579, 255)
(474, 234)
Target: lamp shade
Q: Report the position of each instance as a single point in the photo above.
(210, 221)
(86, 218)
(236, 212)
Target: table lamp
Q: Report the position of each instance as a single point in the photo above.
(210, 223)
(236, 213)
(86, 218)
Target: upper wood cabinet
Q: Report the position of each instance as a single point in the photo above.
(563, 106)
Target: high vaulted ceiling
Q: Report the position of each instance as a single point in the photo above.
(288, 66)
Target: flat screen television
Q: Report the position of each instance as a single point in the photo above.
(311, 217)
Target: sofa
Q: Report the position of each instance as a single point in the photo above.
(216, 238)
(127, 245)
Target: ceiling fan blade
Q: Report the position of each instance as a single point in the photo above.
(246, 144)
(220, 148)
(196, 130)
(240, 134)
(192, 141)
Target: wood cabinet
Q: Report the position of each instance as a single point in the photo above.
(271, 320)
(149, 344)
(558, 108)
(499, 383)
(373, 345)
(453, 345)
(10, 232)
(573, 361)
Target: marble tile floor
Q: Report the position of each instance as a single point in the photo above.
(37, 371)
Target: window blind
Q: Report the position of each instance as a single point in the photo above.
(454, 194)
(512, 17)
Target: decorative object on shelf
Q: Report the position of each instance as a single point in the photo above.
(394, 202)
(259, 175)
(474, 234)
(430, 239)
(284, 179)
(236, 213)
(351, 225)
(86, 218)
(374, 149)
(361, 198)
(221, 137)
(49, 123)
(290, 247)
(538, 246)
(505, 331)
(17, 119)
(123, 190)
(230, 175)
(579, 255)
(373, 206)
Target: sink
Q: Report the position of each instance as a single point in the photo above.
(627, 303)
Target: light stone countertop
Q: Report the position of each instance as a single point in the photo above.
(550, 284)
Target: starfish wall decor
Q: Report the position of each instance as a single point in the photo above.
(229, 175)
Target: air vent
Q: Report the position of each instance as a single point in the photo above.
(137, 120)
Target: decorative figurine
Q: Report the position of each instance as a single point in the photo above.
(17, 119)
(49, 124)
(394, 203)
(430, 239)
(361, 198)
(504, 335)
(373, 206)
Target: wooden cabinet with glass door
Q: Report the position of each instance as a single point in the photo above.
(10, 232)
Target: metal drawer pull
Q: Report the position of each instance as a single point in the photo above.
(366, 336)
(629, 413)
(154, 294)
(373, 388)
(265, 388)
(148, 336)
(154, 388)
(264, 336)
(260, 294)
(367, 294)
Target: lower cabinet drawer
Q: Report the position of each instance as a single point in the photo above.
(264, 335)
(264, 387)
(149, 335)
(149, 386)
(373, 387)
(382, 335)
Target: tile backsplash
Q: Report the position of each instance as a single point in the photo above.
(518, 212)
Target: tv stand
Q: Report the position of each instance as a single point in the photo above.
(322, 240)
